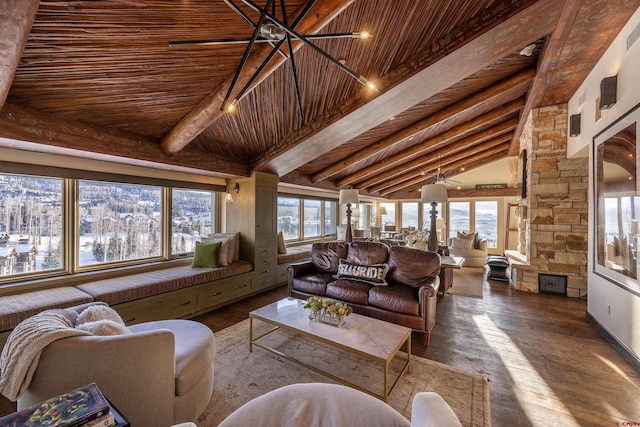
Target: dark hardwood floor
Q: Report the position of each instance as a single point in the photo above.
(546, 364)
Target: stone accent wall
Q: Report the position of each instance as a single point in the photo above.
(557, 199)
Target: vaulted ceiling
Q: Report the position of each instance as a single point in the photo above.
(99, 79)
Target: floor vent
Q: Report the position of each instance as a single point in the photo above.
(552, 284)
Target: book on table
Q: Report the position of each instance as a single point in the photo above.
(71, 409)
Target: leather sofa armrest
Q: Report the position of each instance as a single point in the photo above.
(300, 268)
(428, 297)
(297, 270)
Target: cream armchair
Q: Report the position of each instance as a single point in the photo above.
(471, 248)
(159, 375)
(331, 405)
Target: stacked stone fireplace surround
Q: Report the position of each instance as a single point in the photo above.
(553, 231)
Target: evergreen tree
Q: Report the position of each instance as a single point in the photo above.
(98, 251)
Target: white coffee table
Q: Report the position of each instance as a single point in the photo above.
(364, 336)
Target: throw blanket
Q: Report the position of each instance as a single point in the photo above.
(24, 346)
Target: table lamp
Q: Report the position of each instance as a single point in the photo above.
(433, 194)
(349, 197)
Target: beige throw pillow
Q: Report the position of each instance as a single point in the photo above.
(235, 237)
(462, 243)
(223, 258)
(282, 248)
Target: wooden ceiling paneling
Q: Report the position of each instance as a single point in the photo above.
(108, 64)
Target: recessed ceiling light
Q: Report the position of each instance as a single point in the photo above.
(392, 118)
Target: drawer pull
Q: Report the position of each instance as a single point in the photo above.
(216, 294)
(242, 286)
(266, 271)
(186, 303)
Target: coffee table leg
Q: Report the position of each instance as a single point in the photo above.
(250, 334)
(409, 354)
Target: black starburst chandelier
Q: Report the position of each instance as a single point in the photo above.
(269, 29)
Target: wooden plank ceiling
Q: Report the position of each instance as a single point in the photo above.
(453, 90)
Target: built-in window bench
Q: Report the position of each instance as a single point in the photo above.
(167, 293)
(294, 254)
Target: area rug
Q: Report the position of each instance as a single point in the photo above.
(241, 376)
(468, 282)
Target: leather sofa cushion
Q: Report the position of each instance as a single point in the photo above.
(349, 291)
(397, 298)
(315, 284)
(368, 253)
(326, 255)
(412, 266)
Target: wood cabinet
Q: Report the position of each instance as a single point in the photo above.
(254, 214)
(187, 302)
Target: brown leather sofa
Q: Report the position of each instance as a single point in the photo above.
(408, 299)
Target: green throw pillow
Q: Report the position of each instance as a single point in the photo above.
(206, 255)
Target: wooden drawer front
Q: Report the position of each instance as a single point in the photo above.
(266, 269)
(217, 293)
(283, 275)
(267, 244)
(172, 305)
(265, 262)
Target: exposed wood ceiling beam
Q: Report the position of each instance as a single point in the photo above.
(16, 20)
(548, 64)
(208, 110)
(90, 141)
(498, 89)
(430, 162)
(486, 156)
(494, 44)
(435, 142)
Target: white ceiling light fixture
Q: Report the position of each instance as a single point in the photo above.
(528, 50)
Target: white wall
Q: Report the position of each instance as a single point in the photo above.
(613, 307)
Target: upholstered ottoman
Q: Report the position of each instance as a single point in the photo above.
(498, 268)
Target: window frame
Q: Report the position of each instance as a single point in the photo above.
(71, 178)
(301, 207)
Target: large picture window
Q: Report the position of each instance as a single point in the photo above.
(617, 201)
(289, 217)
(459, 217)
(54, 226)
(118, 222)
(192, 217)
(410, 215)
(301, 218)
(31, 225)
(486, 221)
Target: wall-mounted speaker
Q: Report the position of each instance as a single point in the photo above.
(608, 92)
(574, 125)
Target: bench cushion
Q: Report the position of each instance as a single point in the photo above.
(135, 286)
(16, 308)
(295, 253)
